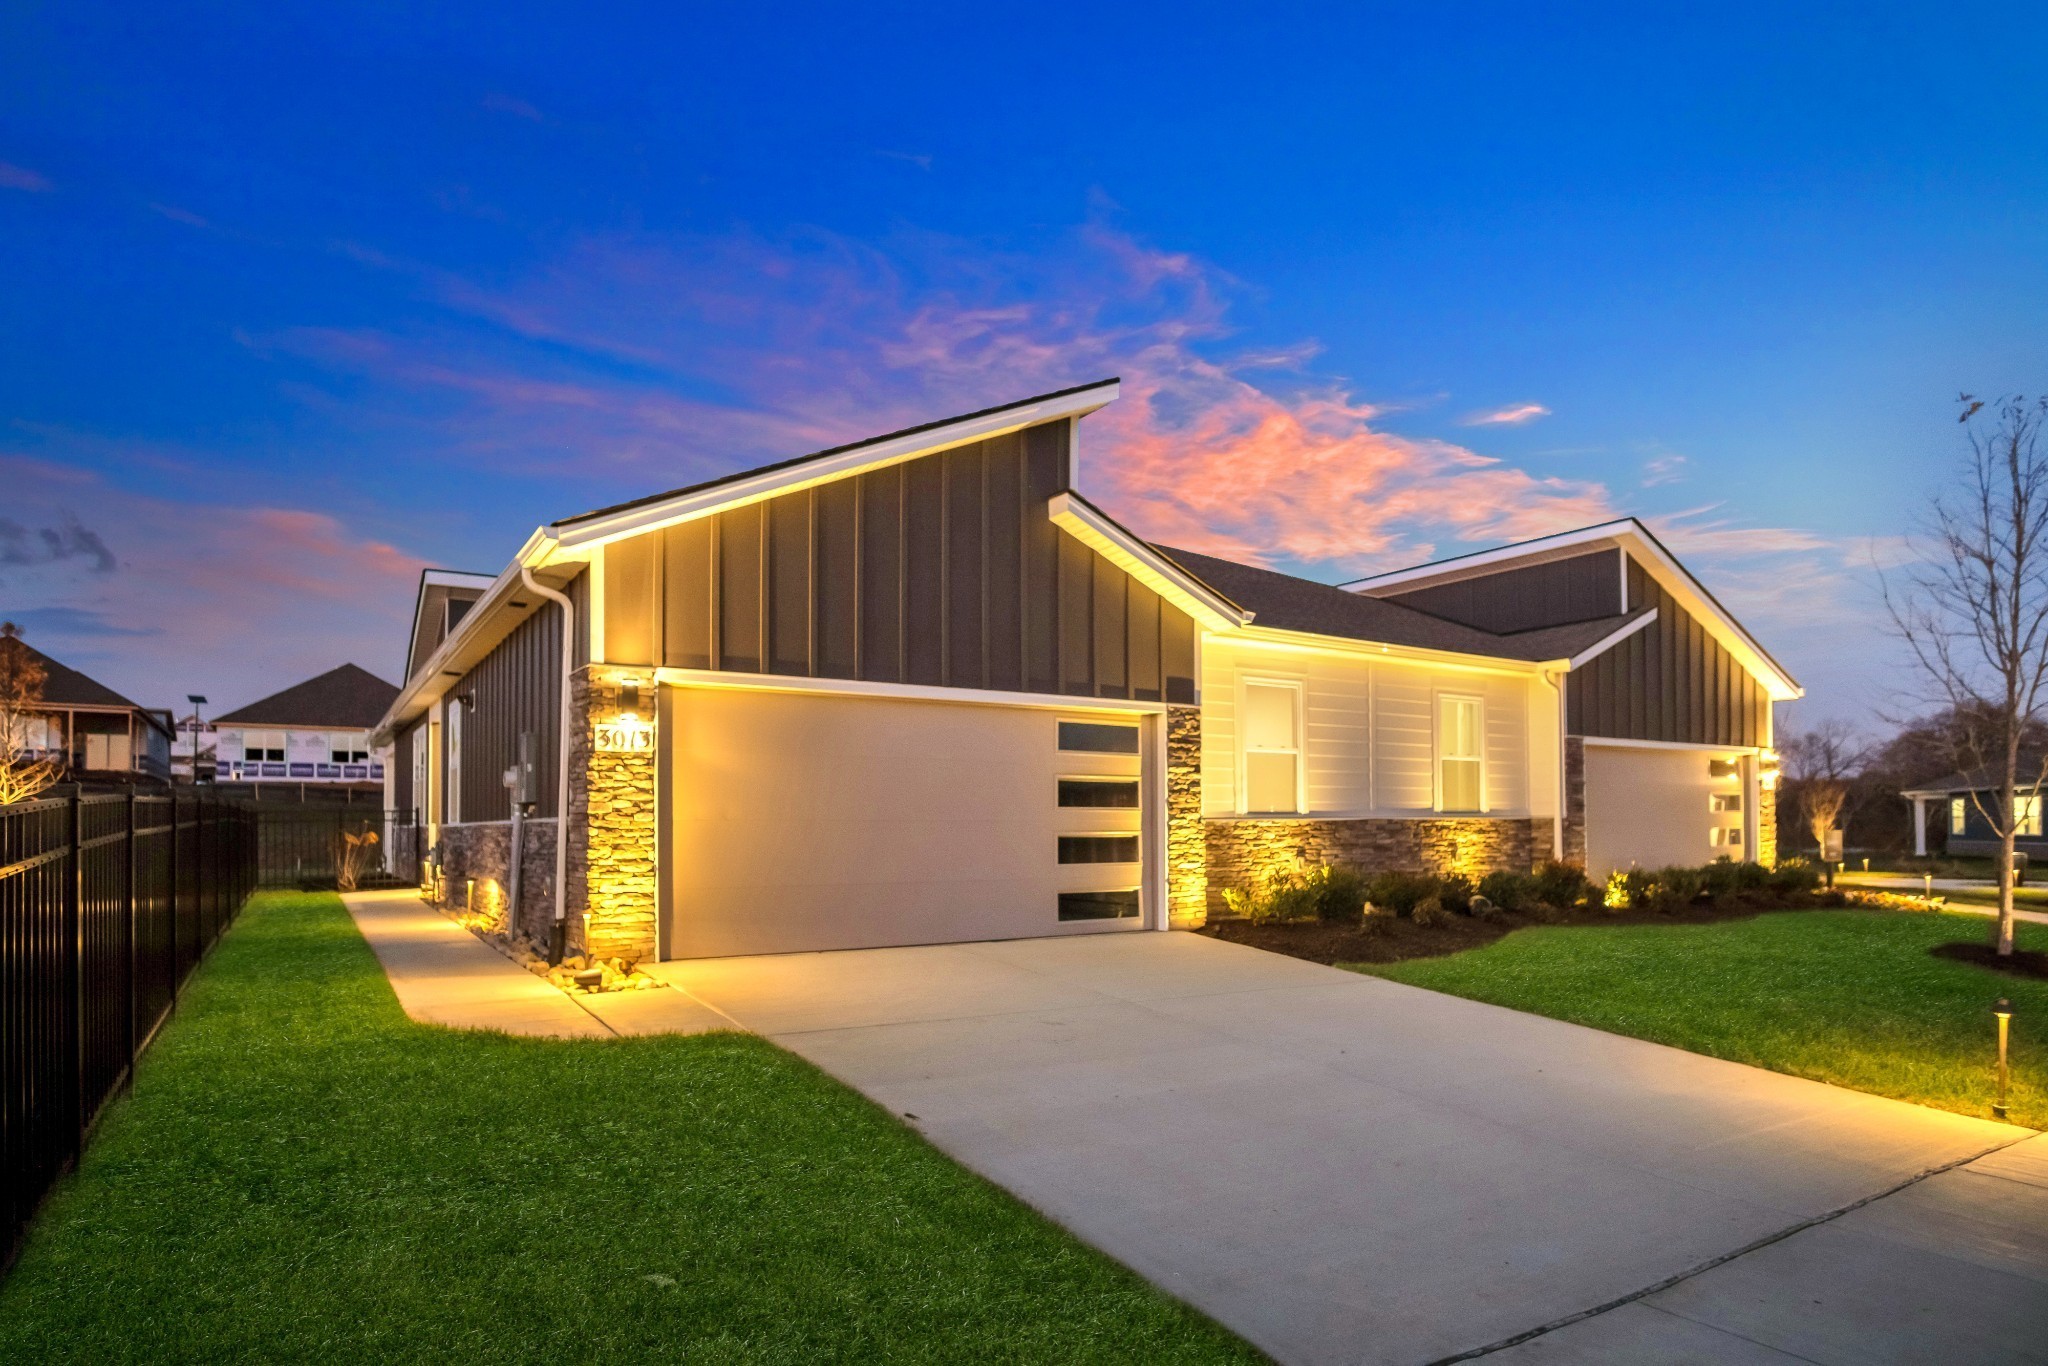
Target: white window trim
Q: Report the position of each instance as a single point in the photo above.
(1299, 686)
(1436, 750)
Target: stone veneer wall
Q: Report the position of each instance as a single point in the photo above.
(482, 852)
(1575, 800)
(611, 893)
(1767, 825)
(1244, 852)
(1187, 872)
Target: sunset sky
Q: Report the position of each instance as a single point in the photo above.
(292, 306)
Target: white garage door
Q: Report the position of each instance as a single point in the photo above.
(799, 822)
(1654, 808)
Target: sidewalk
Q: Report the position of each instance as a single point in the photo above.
(445, 975)
(1909, 885)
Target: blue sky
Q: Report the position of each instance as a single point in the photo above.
(296, 302)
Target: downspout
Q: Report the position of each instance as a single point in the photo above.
(1564, 783)
(560, 940)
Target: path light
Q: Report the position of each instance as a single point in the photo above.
(1930, 887)
(2003, 1010)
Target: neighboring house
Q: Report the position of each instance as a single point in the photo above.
(310, 742)
(1959, 801)
(917, 689)
(101, 735)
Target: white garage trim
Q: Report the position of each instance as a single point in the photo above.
(1607, 742)
(910, 692)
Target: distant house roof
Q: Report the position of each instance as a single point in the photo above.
(348, 697)
(1984, 779)
(67, 687)
(1284, 602)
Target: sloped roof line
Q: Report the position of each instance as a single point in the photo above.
(347, 697)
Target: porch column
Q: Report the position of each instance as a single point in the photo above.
(1920, 827)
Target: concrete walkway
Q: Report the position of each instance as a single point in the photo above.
(1344, 1169)
(1907, 885)
(445, 975)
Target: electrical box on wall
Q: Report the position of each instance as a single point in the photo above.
(521, 777)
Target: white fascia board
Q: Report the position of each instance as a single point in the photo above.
(1613, 742)
(684, 507)
(1611, 639)
(428, 682)
(1306, 642)
(1074, 515)
(1465, 566)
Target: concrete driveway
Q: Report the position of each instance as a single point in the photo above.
(1344, 1169)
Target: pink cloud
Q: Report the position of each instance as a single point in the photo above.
(22, 178)
(233, 600)
(1514, 415)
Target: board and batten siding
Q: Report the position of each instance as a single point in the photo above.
(1670, 682)
(942, 571)
(1369, 731)
(516, 687)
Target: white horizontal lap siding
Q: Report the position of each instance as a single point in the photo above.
(1507, 746)
(1369, 730)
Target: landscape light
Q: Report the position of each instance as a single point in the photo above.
(2003, 1010)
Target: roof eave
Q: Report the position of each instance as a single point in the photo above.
(1101, 533)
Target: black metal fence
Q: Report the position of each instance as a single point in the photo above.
(107, 903)
(307, 846)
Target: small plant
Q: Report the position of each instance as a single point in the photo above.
(1795, 877)
(358, 850)
(1455, 890)
(1617, 897)
(1282, 896)
(1430, 912)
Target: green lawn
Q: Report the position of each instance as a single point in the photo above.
(1849, 997)
(303, 1173)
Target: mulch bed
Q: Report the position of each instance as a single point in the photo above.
(1320, 942)
(2020, 963)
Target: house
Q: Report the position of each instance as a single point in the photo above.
(101, 735)
(919, 689)
(1961, 801)
(310, 742)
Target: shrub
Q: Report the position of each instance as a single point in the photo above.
(1339, 893)
(1630, 890)
(1677, 888)
(1509, 891)
(1562, 885)
(1455, 890)
(1430, 912)
(1330, 892)
(1795, 877)
(1376, 920)
(1399, 892)
(1483, 908)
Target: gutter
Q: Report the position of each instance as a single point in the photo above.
(560, 937)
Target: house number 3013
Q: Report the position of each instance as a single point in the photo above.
(625, 735)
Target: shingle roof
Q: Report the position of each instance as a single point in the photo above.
(349, 697)
(1287, 603)
(1988, 778)
(67, 687)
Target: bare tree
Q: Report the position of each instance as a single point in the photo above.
(25, 769)
(1822, 771)
(1973, 609)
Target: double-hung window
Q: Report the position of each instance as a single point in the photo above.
(1958, 815)
(1271, 728)
(1460, 730)
(2026, 815)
